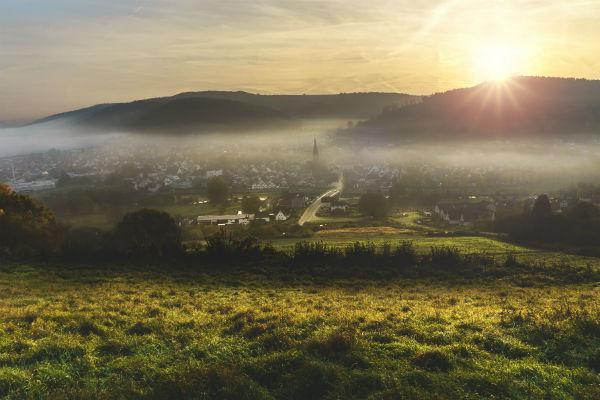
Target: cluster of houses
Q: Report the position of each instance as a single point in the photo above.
(240, 218)
(285, 206)
(465, 213)
(334, 205)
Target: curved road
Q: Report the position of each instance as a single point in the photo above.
(310, 214)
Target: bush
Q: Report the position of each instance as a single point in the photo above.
(147, 234)
(360, 251)
(405, 254)
(306, 252)
(221, 246)
(445, 257)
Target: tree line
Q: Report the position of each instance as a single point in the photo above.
(577, 225)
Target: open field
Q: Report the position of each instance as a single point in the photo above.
(343, 237)
(138, 333)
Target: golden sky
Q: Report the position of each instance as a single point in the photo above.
(57, 55)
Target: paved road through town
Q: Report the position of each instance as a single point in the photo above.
(310, 214)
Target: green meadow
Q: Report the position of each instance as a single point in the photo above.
(256, 333)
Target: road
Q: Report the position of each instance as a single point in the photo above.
(310, 214)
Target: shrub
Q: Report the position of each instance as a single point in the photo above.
(221, 246)
(405, 254)
(445, 257)
(359, 251)
(314, 251)
(147, 234)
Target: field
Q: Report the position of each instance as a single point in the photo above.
(116, 332)
(342, 237)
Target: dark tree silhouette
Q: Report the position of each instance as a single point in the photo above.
(541, 207)
(217, 190)
(251, 204)
(146, 234)
(373, 204)
(27, 227)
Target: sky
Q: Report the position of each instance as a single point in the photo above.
(58, 55)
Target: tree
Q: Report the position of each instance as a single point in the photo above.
(217, 190)
(146, 234)
(398, 190)
(251, 204)
(373, 204)
(541, 207)
(27, 227)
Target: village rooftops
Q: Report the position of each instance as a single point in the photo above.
(228, 219)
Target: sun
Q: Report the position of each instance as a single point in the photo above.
(497, 61)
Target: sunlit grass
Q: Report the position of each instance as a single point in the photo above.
(97, 333)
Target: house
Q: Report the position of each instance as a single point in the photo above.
(330, 199)
(338, 207)
(465, 213)
(292, 201)
(239, 218)
(22, 186)
(280, 216)
(213, 173)
(263, 217)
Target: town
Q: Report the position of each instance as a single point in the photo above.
(455, 195)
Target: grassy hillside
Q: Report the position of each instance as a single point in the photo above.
(107, 332)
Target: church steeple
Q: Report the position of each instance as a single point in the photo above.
(315, 151)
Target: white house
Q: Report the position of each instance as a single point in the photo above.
(280, 216)
(214, 172)
(338, 207)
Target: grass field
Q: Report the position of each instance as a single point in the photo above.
(343, 237)
(75, 332)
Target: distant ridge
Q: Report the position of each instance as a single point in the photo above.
(343, 105)
(520, 106)
(196, 112)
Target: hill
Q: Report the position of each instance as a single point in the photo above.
(173, 115)
(195, 112)
(521, 106)
(343, 105)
